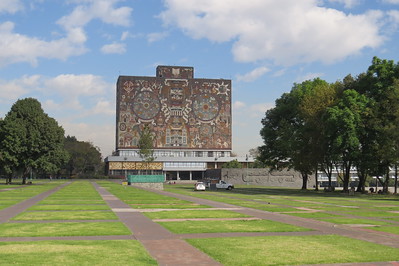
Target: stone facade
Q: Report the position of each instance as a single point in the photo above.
(183, 112)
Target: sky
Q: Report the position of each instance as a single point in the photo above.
(68, 54)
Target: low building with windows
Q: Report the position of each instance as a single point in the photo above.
(190, 120)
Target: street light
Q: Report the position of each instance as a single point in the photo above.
(246, 170)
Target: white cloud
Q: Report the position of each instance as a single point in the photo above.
(286, 31)
(99, 135)
(258, 110)
(10, 6)
(104, 10)
(309, 76)
(16, 47)
(125, 35)
(114, 48)
(80, 103)
(347, 3)
(253, 75)
(395, 2)
(76, 85)
(238, 105)
(156, 36)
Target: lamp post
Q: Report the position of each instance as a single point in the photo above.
(246, 170)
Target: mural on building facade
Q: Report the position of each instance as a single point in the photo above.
(181, 111)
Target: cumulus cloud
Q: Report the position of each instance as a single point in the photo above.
(114, 48)
(10, 6)
(238, 105)
(105, 10)
(347, 3)
(309, 76)
(395, 2)
(258, 110)
(253, 75)
(77, 102)
(156, 36)
(100, 135)
(286, 32)
(16, 47)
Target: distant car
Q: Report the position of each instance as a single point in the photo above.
(224, 185)
(199, 186)
(220, 185)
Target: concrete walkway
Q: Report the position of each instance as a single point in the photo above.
(163, 245)
(320, 226)
(171, 249)
(8, 213)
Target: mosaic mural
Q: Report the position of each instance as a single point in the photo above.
(182, 112)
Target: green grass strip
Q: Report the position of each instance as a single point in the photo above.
(63, 229)
(192, 227)
(293, 250)
(66, 215)
(110, 252)
(355, 221)
(68, 207)
(388, 229)
(194, 214)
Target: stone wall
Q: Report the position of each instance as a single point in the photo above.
(261, 177)
(157, 186)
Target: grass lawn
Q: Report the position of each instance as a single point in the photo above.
(110, 252)
(65, 215)
(194, 227)
(293, 250)
(373, 213)
(70, 201)
(354, 221)
(314, 215)
(63, 229)
(167, 206)
(194, 214)
(68, 207)
(388, 229)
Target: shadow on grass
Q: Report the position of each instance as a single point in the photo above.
(251, 190)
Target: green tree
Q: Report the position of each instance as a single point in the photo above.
(344, 128)
(146, 145)
(291, 132)
(85, 159)
(232, 164)
(31, 141)
(381, 85)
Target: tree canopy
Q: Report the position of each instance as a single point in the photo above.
(85, 159)
(30, 141)
(346, 124)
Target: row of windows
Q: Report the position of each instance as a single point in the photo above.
(169, 153)
(185, 164)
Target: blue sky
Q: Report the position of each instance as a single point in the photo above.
(68, 54)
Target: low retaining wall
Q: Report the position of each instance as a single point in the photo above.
(260, 177)
(156, 186)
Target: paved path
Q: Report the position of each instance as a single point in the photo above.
(320, 226)
(163, 245)
(170, 249)
(8, 213)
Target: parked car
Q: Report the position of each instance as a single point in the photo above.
(220, 185)
(199, 186)
(224, 185)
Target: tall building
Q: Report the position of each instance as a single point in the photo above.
(190, 119)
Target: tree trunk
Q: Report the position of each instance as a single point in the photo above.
(347, 169)
(396, 180)
(304, 181)
(316, 178)
(386, 183)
